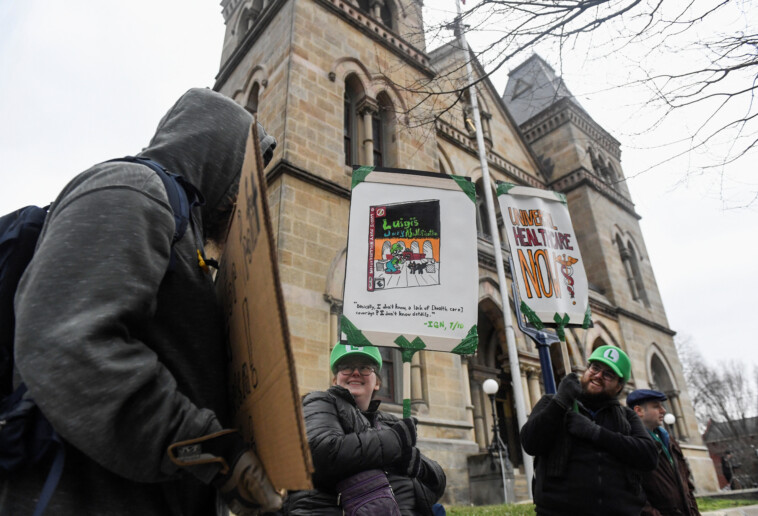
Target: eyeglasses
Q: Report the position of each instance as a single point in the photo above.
(607, 374)
(348, 369)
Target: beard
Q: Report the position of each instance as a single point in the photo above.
(593, 398)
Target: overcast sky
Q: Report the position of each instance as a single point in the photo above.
(85, 81)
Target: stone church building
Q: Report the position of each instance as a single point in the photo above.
(335, 81)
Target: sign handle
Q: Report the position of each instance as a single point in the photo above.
(407, 384)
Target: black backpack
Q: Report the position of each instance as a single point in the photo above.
(26, 436)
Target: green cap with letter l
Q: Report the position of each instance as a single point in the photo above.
(615, 358)
(342, 350)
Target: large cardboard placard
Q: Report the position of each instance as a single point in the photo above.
(263, 385)
(412, 270)
(547, 265)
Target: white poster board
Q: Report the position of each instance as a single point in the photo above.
(547, 265)
(412, 269)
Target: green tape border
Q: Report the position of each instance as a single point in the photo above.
(466, 185)
(503, 187)
(469, 343)
(359, 175)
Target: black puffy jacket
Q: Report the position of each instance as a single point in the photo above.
(589, 478)
(345, 440)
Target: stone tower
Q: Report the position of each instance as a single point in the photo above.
(583, 161)
(332, 81)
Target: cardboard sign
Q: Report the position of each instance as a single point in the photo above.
(547, 265)
(412, 270)
(263, 386)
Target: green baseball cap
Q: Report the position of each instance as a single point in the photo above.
(615, 358)
(342, 350)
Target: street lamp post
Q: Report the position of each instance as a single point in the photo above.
(497, 446)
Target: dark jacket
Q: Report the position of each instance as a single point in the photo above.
(344, 441)
(668, 488)
(123, 357)
(576, 476)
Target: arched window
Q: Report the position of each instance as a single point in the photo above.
(637, 275)
(252, 100)
(244, 24)
(353, 93)
(663, 382)
(383, 132)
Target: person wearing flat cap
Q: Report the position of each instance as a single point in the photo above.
(589, 450)
(668, 488)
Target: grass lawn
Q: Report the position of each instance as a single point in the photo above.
(491, 510)
(715, 504)
(704, 504)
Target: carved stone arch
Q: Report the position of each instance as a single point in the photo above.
(335, 279)
(257, 75)
(334, 292)
(488, 307)
(382, 83)
(490, 289)
(444, 160)
(599, 332)
(656, 358)
(631, 243)
(345, 66)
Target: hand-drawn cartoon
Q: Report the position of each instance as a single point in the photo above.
(398, 265)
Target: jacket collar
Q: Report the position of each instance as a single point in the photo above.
(344, 394)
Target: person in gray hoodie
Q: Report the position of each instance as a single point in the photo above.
(125, 355)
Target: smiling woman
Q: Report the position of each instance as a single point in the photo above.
(350, 438)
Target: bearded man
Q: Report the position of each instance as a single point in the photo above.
(590, 451)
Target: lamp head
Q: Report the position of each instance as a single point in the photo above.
(490, 386)
(669, 419)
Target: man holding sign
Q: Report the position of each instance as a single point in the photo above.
(589, 449)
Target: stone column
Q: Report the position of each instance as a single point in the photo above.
(376, 9)
(676, 404)
(417, 388)
(534, 386)
(480, 422)
(525, 390)
(366, 108)
(466, 384)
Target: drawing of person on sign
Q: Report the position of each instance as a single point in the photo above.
(404, 245)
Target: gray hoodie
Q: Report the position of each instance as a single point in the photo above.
(123, 357)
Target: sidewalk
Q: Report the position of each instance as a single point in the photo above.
(745, 510)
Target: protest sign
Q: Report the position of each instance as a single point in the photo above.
(263, 387)
(547, 265)
(412, 269)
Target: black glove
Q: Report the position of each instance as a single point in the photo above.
(240, 478)
(406, 431)
(568, 390)
(414, 465)
(582, 427)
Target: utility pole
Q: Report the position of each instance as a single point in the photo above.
(510, 336)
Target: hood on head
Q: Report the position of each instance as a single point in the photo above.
(203, 138)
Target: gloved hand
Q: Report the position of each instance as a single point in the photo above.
(406, 431)
(239, 474)
(568, 390)
(582, 427)
(414, 465)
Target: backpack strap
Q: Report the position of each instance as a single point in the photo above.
(182, 197)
